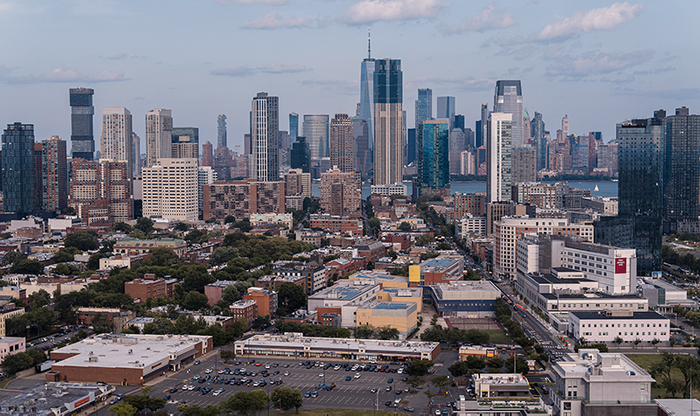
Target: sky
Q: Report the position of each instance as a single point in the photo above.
(599, 62)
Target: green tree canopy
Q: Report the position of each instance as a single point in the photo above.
(291, 297)
(11, 257)
(144, 224)
(27, 266)
(285, 398)
(82, 240)
(419, 367)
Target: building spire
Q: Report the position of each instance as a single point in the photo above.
(369, 48)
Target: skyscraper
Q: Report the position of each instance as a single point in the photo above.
(446, 110)
(264, 134)
(341, 143)
(18, 176)
(116, 140)
(207, 154)
(221, 139)
(498, 159)
(316, 133)
(38, 173)
(367, 93)
(185, 143)
(159, 128)
(433, 146)
(481, 139)
(424, 105)
(170, 189)
(293, 127)
(509, 99)
(523, 162)
(682, 171)
(565, 127)
(81, 138)
(412, 151)
(54, 176)
(537, 133)
(363, 155)
(388, 122)
(300, 155)
(136, 151)
(459, 122)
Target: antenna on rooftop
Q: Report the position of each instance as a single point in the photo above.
(369, 48)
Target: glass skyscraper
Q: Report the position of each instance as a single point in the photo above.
(82, 139)
(221, 139)
(424, 105)
(388, 122)
(300, 155)
(446, 110)
(682, 170)
(18, 176)
(433, 146)
(367, 97)
(263, 164)
(316, 133)
(509, 99)
(293, 126)
(537, 133)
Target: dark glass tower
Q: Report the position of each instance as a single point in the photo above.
(433, 147)
(682, 170)
(293, 126)
(300, 155)
(18, 175)
(424, 105)
(388, 122)
(82, 139)
(537, 133)
(640, 192)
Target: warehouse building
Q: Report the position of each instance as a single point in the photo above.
(469, 298)
(296, 345)
(125, 359)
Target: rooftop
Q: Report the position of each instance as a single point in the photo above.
(297, 342)
(602, 315)
(43, 399)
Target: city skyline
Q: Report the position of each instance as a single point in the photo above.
(546, 45)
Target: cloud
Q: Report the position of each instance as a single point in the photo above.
(604, 18)
(338, 86)
(461, 83)
(270, 21)
(488, 19)
(246, 71)
(59, 75)
(597, 63)
(368, 11)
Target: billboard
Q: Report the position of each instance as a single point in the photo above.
(80, 402)
(621, 265)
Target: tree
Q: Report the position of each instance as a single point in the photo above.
(655, 341)
(39, 299)
(94, 260)
(476, 362)
(11, 257)
(82, 240)
(144, 224)
(425, 239)
(195, 301)
(230, 294)
(443, 246)
(440, 381)
(413, 381)
(520, 365)
(374, 224)
(495, 362)
(405, 226)
(195, 236)
(146, 390)
(181, 226)
(123, 409)
(618, 340)
(292, 297)
(285, 398)
(159, 326)
(163, 256)
(121, 226)
(387, 332)
(16, 362)
(419, 367)
(364, 332)
(690, 367)
(459, 368)
(637, 342)
(27, 266)
(102, 324)
(223, 255)
(64, 269)
(64, 255)
(142, 401)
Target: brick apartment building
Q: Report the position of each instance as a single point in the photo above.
(266, 300)
(149, 287)
(246, 309)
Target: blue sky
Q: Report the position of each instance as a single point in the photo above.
(600, 62)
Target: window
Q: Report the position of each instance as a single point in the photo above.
(567, 405)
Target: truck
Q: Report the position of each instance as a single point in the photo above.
(46, 365)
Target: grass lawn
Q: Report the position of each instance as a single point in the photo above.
(498, 336)
(3, 383)
(646, 361)
(339, 412)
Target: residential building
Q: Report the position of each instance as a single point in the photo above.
(205, 176)
(265, 300)
(100, 191)
(264, 135)
(297, 187)
(109, 358)
(474, 204)
(388, 122)
(347, 191)
(433, 148)
(498, 160)
(159, 127)
(244, 309)
(116, 140)
(207, 155)
(215, 291)
(424, 106)
(81, 137)
(8, 310)
(542, 195)
(242, 198)
(18, 168)
(470, 225)
(54, 176)
(338, 224)
(508, 99)
(508, 230)
(523, 160)
(148, 287)
(170, 189)
(341, 143)
(221, 139)
(11, 345)
(681, 170)
(134, 246)
(389, 189)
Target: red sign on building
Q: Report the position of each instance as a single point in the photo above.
(621, 265)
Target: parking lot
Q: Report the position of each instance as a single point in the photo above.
(353, 393)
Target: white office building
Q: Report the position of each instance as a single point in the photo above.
(159, 135)
(648, 327)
